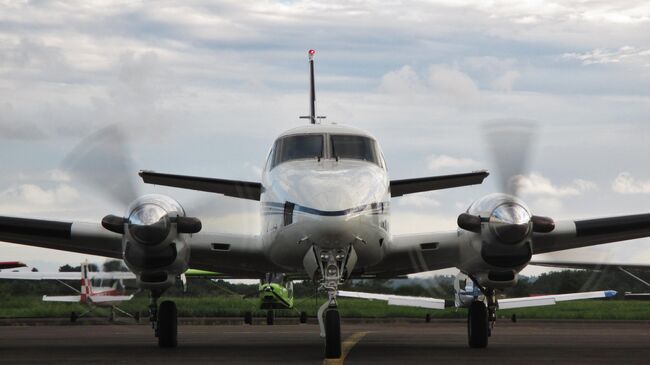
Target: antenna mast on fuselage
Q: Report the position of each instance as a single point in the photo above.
(312, 91)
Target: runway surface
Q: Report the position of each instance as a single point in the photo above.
(445, 342)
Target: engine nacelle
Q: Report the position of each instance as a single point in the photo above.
(154, 239)
(499, 230)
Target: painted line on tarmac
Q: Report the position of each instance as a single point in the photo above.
(346, 346)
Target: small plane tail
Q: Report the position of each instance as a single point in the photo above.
(86, 284)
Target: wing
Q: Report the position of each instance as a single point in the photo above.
(63, 298)
(402, 300)
(234, 188)
(543, 300)
(413, 253)
(98, 299)
(409, 186)
(237, 256)
(589, 232)
(81, 237)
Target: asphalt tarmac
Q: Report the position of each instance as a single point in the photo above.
(444, 342)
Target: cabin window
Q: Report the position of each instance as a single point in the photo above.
(354, 147)
(297, 147)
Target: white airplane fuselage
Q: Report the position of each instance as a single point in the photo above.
(327, 202)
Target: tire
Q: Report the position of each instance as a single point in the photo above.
(73, 317)
(427, 318)
(136, 317)
(303, 317)
(270, 317)
(332, 334)
(167, 324)
(248, 317)
(477, 325)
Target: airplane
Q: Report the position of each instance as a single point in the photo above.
(325, 197)
(88, 295)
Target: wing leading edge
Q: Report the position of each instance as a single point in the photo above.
(235, 188)
(409, 186)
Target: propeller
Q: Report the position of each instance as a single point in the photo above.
(509, 142)
(102, 161)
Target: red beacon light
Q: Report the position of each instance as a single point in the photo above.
(311, 52)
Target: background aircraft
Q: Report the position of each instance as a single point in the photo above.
(325, 198)
(89, 295)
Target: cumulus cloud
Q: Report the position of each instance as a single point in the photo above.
(402, 81)
(32, 196)
(447, 80)
(536, 184)
(419, 201)
(602, 56)
(626, 183)
(440, 162)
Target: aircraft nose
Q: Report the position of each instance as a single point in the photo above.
(333, 193)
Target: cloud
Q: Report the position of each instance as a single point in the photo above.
(35, 197)
(440, 162)
(446, 80)
(603, 56)
(420, 201)
(536, 184)
(626, 183)
(402, 81)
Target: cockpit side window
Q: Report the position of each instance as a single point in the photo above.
(297, 147)
(354, 147)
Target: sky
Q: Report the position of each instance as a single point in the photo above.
(203, 87)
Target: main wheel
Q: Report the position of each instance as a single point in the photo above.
(167, 324)
(477, 325)
(73, 317)
(248, 317)
(332, 334)
(303, 317)
(270, 317)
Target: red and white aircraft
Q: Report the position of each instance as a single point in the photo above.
(88, 295)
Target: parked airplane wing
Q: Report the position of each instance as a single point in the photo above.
(409, 186)
(82, 237)
(234, 188)
(589, 232)
(98, 299)
(543, 300)
(62, 298)
(402, 300)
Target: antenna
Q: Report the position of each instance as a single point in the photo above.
(312, 91)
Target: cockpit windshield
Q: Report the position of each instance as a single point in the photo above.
(354, 147)
(297, 147)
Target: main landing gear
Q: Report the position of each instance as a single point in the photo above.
(164, 321)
